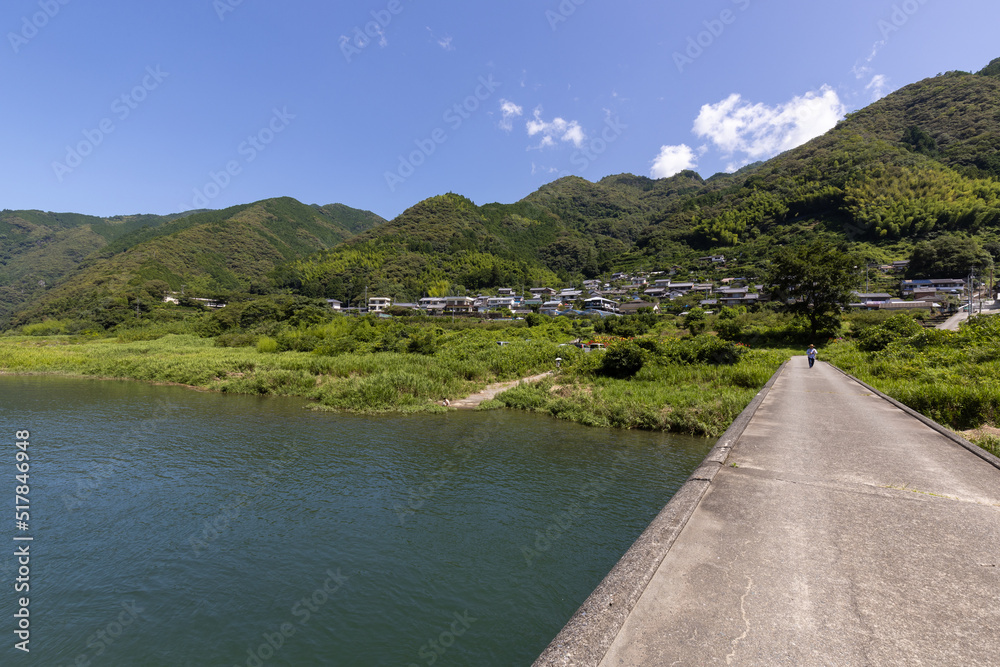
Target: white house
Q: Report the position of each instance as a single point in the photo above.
(602, 304)
(379, 304)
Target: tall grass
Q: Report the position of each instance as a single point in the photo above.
(370, 366)
(953, 378)
(694, 398)
(363, 382)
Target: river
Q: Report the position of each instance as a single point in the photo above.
(174, 527)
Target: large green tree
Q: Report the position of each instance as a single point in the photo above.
(948, 256)
(814, 281)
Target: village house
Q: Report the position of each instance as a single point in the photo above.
(569, 295)
(379, 304)
(599, 303)
(459, 305)
(550, 308)
(433, 304)
(510, 302)
(939, 285)
(899, 304)
(870, 300)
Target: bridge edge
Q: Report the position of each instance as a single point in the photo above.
(589, 633)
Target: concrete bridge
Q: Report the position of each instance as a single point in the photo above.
(829, 526)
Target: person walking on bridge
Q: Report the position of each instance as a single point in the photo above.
(811, 354)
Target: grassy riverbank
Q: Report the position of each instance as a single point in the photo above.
(359, 382)
(700, 398)
(952, 377)
(691, 385)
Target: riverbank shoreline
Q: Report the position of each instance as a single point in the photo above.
(694, 398)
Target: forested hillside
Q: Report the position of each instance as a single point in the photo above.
(39, 249)
(206, 253)
(917, 169)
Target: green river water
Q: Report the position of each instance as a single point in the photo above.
(174, 527)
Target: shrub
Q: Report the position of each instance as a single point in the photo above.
(703, 348)
(535, 320)
(875, 338)
(46, 328)
(622, 359)
(695, 321)
(267, 345)
(424, 342)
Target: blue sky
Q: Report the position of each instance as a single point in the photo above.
(156, 107)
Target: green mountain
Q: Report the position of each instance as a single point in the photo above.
(920, 163)
(204, 253)
(923, 161)
(39, 249)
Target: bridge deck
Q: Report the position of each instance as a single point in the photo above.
(840, 531)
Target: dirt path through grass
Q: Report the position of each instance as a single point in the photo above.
(490, 392)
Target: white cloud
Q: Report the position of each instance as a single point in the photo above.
(443, 42)
(861, 71)
(673, 160)
(758, 131)
(879, 86)
(510, 112)
(559, 128)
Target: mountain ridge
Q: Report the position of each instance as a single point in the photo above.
(921, 162)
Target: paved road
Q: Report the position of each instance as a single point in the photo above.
(841, 531)
(955, 321)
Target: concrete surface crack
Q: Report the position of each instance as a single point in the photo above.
(746, 621)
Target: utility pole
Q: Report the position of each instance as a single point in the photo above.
(992, 294)
(972, 277)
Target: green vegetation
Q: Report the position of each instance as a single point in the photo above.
(817, 278)
(59, 266)
(948, 256)
(914, 176)
(949, 376)
(357, 365)
(291, 346)
(695, 385)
